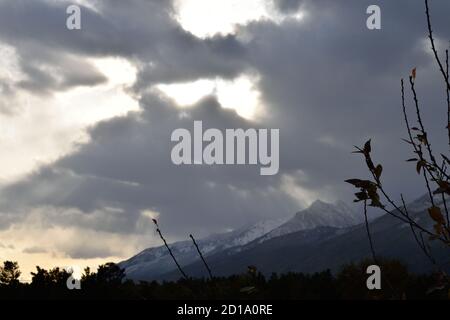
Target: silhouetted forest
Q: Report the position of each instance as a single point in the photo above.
(109, 282)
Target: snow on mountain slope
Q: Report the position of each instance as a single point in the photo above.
(329, 248)
(152, 262)
(319, 214)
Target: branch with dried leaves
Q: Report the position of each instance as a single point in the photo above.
(435, 176)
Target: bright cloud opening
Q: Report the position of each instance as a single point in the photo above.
(206, 18)
(239, 94)
(62, 117)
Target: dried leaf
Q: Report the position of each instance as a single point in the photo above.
(378, 170)
(367, 147)
(444, 187)
(422, 138)
(363, 184)
(419, 166)
(436, 215)
(439, 229)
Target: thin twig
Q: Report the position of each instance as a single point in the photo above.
(369, 234)
(446, 210)
(170, 251)
(427, 183)
(433, 46)
(372, 248)
(419, 243)
(448, 96)
(201, 256)
(417, 148)
(422, 127)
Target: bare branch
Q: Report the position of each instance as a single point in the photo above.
(201, 256)
(168, 248)
(433, 46)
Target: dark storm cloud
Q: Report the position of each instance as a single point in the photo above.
(327, 82)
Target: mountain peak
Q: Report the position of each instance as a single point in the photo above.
(318, 214)
(319, 204)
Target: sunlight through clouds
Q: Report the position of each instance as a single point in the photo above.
(206, 18)
(187, 94)
(62, 117)
(86, 106)
(239, 94)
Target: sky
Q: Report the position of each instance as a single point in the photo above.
(86, 115)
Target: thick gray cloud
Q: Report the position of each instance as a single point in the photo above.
(139, 30)
(288, 5)
(128, 166)
(327, 82)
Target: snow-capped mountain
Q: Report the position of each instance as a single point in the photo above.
(319, 214)
(153, 262)
(329, 248)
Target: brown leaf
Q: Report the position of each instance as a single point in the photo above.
(444, 187)
(419, 166)
(414, 73)
(367, 147)
(363, 184)
(422, 138)
(378, 170)
(436, 215)
(361, 196)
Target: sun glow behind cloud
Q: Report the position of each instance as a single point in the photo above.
(48, 127)
(239, 94)
(45, 128)
(206, 18)
(86, 105)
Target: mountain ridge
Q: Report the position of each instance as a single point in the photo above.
(155, 263)
(327, 248)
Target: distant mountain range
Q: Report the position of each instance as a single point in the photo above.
(323, 236)
(153, 263)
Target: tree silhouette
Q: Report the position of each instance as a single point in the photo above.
(55, 277)
(110, 273)
(9, 273)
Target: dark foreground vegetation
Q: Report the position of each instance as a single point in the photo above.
(109, 283)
